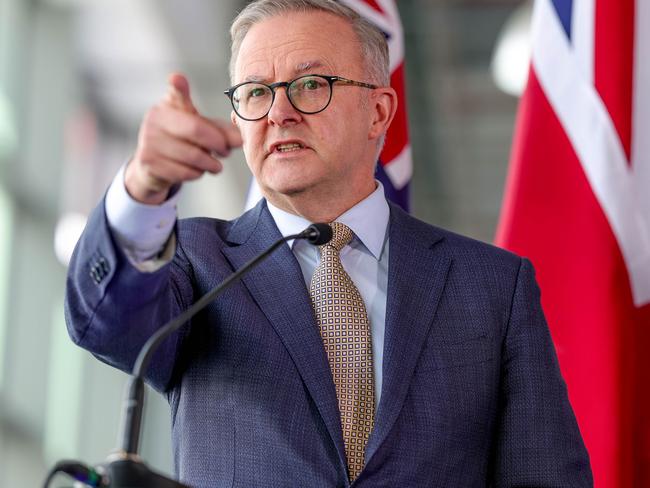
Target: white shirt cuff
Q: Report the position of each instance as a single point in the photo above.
(142, 231)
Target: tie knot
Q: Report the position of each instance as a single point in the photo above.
(341, 236)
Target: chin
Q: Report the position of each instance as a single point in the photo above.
(289, 186)
(287, 190)
(294, 191)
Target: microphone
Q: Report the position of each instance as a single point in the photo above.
(318, 234)
(125, 469)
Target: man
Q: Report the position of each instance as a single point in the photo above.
(428, 363)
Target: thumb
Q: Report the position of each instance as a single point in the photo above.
(178, 93)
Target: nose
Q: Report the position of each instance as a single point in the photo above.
(282, 112)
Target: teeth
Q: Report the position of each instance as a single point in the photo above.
(294, 146)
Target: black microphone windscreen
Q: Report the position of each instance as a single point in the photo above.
(319, 234)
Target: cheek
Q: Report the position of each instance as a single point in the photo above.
(348, 136)
(252, 157)
(252, 141)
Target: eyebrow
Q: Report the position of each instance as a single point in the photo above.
(257, 78)
(308, 66)
(301, 68)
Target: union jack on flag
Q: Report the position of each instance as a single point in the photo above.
(577, 203)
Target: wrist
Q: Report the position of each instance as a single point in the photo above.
(145, 189)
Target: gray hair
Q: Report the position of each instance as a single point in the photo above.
(374, 49)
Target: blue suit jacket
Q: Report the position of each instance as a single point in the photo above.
(472, 394)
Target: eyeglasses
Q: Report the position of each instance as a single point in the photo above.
(308, 94)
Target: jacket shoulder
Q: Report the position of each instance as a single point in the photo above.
(460, 248)
(196, 230)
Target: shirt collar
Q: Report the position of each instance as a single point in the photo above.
(368, 219)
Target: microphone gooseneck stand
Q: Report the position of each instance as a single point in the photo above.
(124, 468)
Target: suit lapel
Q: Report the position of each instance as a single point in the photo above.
(278, 287)
(417, 274)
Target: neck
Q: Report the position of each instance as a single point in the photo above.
(315, 207)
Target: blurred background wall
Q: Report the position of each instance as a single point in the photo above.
(76, 77)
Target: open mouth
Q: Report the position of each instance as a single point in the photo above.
(292, 146)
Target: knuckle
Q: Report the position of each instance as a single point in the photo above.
(151, 116)
(194, 154)
(191, 174)
(142, 157)
(194, 128)
(146, 165)
(147, 159)
(149, 128)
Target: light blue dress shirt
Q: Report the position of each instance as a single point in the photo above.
(365, 259)
(143, 231)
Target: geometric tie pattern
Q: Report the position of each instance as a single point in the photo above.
(344, 326)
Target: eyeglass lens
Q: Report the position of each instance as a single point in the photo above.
(308, 94)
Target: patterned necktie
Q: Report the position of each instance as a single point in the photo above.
(345, 329)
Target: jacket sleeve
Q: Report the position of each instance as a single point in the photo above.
(538, 442)
(111, 308)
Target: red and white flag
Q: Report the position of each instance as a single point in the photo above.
(577, 203)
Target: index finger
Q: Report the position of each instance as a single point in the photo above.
(210, 135)
(178, 93)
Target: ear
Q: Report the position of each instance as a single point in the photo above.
(384, 105)
(233, 118)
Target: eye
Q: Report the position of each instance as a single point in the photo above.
(256, 92)
(310, 84)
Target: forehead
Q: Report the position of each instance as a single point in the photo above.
(287, 45)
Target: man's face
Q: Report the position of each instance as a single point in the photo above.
(336, 146)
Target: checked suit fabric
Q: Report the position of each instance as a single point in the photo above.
(344, 326)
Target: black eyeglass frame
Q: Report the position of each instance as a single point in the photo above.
(273, 86)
